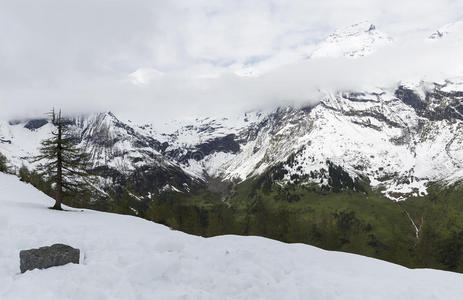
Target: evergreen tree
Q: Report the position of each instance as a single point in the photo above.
(24, 174)
(63, 161)
(3, 164)
(125, 203)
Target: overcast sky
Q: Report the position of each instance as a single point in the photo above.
(171, 59)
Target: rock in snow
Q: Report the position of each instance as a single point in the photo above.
(47, 257)
(126, 257)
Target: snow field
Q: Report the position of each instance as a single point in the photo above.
(125, 257)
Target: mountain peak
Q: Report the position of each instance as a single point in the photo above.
(354, 29)
(353, 41)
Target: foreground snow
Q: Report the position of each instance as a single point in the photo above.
(128, 258)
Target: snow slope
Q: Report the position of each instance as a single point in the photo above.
(453, 30)
(129, 258)
(17, 142)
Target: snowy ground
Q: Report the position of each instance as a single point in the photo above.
(129, 258)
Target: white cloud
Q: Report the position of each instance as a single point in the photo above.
(144, 76)
(86, 55)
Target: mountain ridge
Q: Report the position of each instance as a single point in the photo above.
(372, 135)
(395, 139)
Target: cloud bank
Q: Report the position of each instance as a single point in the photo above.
(158, 60)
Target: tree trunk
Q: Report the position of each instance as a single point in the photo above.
(59, 172)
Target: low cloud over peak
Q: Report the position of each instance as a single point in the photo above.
(161, 60)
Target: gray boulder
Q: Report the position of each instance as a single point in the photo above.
(46, 257)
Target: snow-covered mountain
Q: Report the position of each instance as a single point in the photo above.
(118, 261)
(400, 140)
(351, 42)
(395, 139)
(354, 41)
